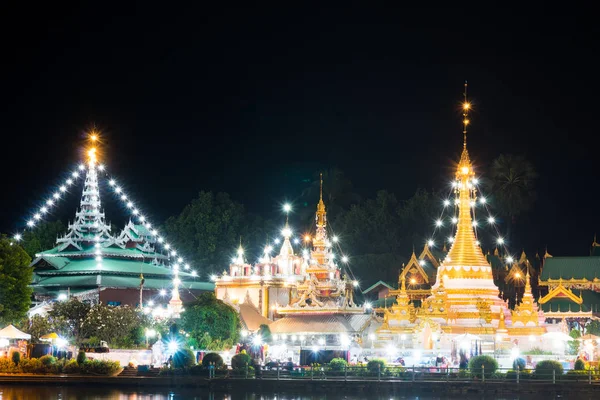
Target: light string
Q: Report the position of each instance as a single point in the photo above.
(177, 261)
(50, 203)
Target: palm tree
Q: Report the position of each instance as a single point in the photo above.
(512, 181)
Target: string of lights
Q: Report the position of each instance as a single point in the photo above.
(47, 206)
(137, 215)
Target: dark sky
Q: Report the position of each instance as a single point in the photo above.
(252, 101)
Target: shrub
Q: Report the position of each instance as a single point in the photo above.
(71, 367)
(375, 365)
(184, 358)
(240, 361)
(32, 366)
(543, 369)
(98, 367)
(48, 360)
(523, 374)
(579, 365)
(577, 375)
(8, 366)
(16, 357)
(489, 362)
(81, 357)
(212, 358)
(519, 364)
(338, 364)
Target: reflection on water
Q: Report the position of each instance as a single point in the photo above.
(10, 392)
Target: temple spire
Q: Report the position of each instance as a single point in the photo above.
(464, 250)
(466, 107)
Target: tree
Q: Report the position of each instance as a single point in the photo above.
(512, 184)
(68, 316)
(42, 237)
(209, 230)
(265, 333)
(380, 232)
(121, 325)
(338, 195)
(212, 317)
(15, 277)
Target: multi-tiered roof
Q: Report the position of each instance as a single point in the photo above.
(89, 258)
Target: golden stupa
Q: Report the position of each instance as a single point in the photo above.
(464, 299)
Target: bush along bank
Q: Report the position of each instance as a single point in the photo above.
(52, 365)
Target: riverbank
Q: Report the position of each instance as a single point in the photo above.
(392, 387)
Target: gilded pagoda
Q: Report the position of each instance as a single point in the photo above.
(463, 300)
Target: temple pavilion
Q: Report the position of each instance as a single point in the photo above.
(95, 264)
(310, 306)
(463, 300)
(570, 287)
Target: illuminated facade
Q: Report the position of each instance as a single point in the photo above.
(463, 298)
(93, 264)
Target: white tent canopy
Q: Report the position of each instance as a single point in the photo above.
(466, 337)
(10, 332)
(557, 336)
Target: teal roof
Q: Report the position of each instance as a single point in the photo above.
(591, 302)
(64, 266)
(380, 283)
(571, 267)
(109, 280)
(385, 302)
(106, 251)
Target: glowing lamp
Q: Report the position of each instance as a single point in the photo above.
(257, 341)
(307, 238)
(465, 170)
(500, 240)
(355, 283)
(322, 341)
(344, 259)
(413, 281)
(286, 232)
(62, 297)
(430, 242)
(509, 259)
(446, 203)
(421, 262)
(162, 292)
(287, 207)
(466, 106)
(335, 239)
(438, 222)
(517, 275)
(17, 237)
(367, 306)
(173, 346)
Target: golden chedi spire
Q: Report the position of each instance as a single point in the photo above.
(320, 239)
(465, 250)
(321, 214)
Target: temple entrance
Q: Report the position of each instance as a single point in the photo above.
(427, 337)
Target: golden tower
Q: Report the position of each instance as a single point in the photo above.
(465, 276)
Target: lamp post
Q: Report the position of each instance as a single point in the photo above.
(150, 333)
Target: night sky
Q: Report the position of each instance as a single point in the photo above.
(253, 101)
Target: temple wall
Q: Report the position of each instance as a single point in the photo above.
(131, 296)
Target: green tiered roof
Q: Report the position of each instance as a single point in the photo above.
(571, 268)
(591, 303)
(90, 258)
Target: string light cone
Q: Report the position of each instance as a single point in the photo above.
(91, 257)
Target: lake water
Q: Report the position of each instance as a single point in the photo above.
(17, 392)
